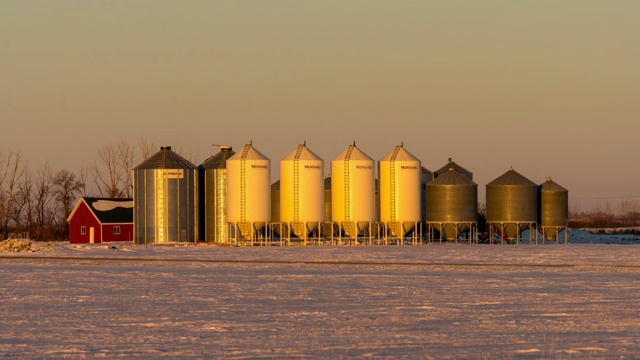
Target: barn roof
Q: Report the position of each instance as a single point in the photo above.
(107, 210)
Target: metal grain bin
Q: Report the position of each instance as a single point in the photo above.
(452, 200)
(512, 201)
(213, 196)
(553, 208)
(275, 206)
(353, 191)
(399, 174)
(165, 199)
(302, 191)
(425, 176)
(249, 191)
(459, 169)
(327, 199)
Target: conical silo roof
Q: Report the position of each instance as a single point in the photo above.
(426, 171)
(219, 160)
(165, 159)
(452, 164)
(301, 153)
(512, 177)
(551, 185)
(352, 153)
(401, 155)
(249, 153)
(451, 177)
(275, 185)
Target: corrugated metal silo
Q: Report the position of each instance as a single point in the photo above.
(165, 199)
(425, 176)
(512, 204)
(275, 207)
(275, 202)
(353, 191)
(301, 191)
(553, 209)
(327, 199)
(459, 169)
(248, 191)
(213, 196)
(400, 175)
(452, 203)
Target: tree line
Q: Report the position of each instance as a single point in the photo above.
(35, 202)
(625, 215)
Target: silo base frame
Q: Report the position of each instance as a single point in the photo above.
(258, 235)
(312, 231)
(557, 230)
(500, 229)
(352, 225)
(462, 227)
(386, 229)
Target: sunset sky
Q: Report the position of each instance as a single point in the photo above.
(551, 88)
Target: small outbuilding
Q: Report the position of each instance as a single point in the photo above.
(99, 220)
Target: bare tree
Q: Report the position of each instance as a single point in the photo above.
(84, 174)
(126, 158)
(11, 171)
(43, 215)
(66, 187)
(147, 148)
(22, 213)
(107, 174)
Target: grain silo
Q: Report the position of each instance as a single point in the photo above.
(275, 202)
(399, 176)
(213, 196)
(553, 210)
(302, 191)
(165, 199)
(425, 176)
(353, 191)
(248, 192)
(452, 206)
(459, 169)
(512, 206)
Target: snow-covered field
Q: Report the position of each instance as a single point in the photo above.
(436, 301)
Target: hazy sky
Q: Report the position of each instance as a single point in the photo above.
(551, 88)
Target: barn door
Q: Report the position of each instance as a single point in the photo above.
(91, 235)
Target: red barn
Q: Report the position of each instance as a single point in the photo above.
(98, 220)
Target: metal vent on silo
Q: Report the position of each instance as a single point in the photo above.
(165, 199)
(456, 167)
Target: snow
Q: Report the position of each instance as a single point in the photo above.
(107, 205)
(434, 302)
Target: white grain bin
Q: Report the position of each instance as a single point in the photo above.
(400, 175)
(353, 191)
(248, 190)
(302, 191)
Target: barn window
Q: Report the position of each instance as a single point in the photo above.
(83, 230)
(116, 230)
